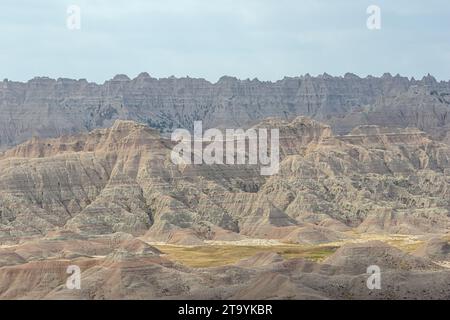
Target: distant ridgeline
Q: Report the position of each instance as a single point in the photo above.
(47, 108)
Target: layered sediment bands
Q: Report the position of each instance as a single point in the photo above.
(112, 203)
(46, 107)
(127, 268)
(437, 248)
(121, 179)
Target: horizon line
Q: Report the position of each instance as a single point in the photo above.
(144, 74)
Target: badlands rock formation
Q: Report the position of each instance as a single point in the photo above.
(437, 248)
(46, 107)
(106, 199)
(141, 272)
(122, 179)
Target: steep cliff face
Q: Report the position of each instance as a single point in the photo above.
(109, 201)
(121, 179)
(89, 183)
(46, 107)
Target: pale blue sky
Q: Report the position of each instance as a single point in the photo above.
(267, 39)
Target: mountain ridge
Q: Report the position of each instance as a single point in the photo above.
(121, 179)
(138, 226)
(47, 107)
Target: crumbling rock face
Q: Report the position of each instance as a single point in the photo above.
(100, 200)
(46, 107)
(437, 248)
(356, 258)
(121, 179)
(131, 269)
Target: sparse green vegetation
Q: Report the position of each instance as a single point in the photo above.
(219, 255)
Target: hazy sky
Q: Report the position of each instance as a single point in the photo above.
(210, 38)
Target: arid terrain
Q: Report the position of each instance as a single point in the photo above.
(48, 107)
(141, 227)
(224, 159)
